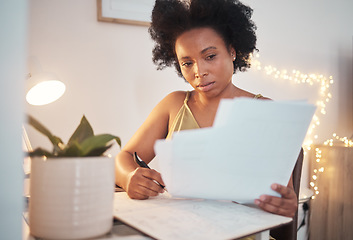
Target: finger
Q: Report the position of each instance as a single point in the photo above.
(286, 192)
(156, 178)
(141, 187)
(136, 195)
(159, 178)
(151, 185)
(274, 209)
(140, 191)
(276, 201)
(146, 182)
(285, 205)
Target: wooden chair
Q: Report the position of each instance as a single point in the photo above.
(289, 231)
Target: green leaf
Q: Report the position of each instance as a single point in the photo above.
(73, 150)
(99, 151)
(39, 152)
(56, 141)
(82, 142)
(96, 142)
(82, 132)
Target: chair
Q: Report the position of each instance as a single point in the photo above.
(289, 231)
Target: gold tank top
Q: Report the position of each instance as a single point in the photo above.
(185, 119)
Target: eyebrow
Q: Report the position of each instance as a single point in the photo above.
(208, 48)
(202, 52)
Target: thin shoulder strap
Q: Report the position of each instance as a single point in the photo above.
(258, 96)
(187, 97)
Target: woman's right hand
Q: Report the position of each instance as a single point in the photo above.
(143, 183)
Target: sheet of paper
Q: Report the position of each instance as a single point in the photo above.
(251, 145)
(163, 217)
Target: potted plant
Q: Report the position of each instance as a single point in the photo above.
(72, 186)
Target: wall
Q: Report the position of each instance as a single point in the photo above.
(107, 69)
(313, 37)
(111, 79)
(13, 25)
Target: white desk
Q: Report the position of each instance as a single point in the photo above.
(119, 231)
(123, 231)
(163, 217)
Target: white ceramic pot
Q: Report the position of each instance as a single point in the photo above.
(71, 198)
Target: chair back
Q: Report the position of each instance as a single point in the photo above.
(289, 231)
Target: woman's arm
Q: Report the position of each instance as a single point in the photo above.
(139, 183)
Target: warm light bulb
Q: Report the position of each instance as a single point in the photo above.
(45, 92)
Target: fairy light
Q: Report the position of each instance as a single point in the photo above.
(319, 170)
(346, 141)
(298, 77)
(324, 83)
(316, 172)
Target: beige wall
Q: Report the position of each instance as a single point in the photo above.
(107, 69)
(110, 76)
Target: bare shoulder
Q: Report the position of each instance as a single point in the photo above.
(243, 93)
(172, 103)
(176, 96)
(173, 100)
(169, 104)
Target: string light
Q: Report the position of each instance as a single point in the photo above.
(324, 83)
(316, 172)
(319, 170)
(298, 77)
(347, 142)
(325, 96)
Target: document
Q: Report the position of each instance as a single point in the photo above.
(251, 145)
(163, 217)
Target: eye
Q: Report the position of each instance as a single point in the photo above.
(211, 57)
(186, 64)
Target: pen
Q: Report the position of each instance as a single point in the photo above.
(142, 164)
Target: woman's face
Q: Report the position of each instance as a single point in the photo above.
(205, 61)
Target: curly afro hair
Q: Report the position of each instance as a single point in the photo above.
(229, 18)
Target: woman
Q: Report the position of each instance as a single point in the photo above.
(207, 41)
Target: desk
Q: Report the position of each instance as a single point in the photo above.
(119, 231)
(122, 231)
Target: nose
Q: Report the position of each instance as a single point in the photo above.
(200, 70)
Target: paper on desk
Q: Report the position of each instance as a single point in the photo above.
(251, 145)
(163, 217)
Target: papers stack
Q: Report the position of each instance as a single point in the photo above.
(251, 145)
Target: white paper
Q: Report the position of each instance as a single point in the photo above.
(163, 217)
(252, 144)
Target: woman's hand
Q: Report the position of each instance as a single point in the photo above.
(142, 183)
(286, 205)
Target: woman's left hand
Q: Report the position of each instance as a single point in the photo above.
(286, 205)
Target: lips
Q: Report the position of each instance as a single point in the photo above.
(205, 86)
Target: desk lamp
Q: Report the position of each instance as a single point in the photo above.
(43, 87)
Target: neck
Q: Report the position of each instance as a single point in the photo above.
(206, 100)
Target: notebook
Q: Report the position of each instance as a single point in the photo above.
(163, 217)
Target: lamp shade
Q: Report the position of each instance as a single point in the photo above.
(44, 88)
